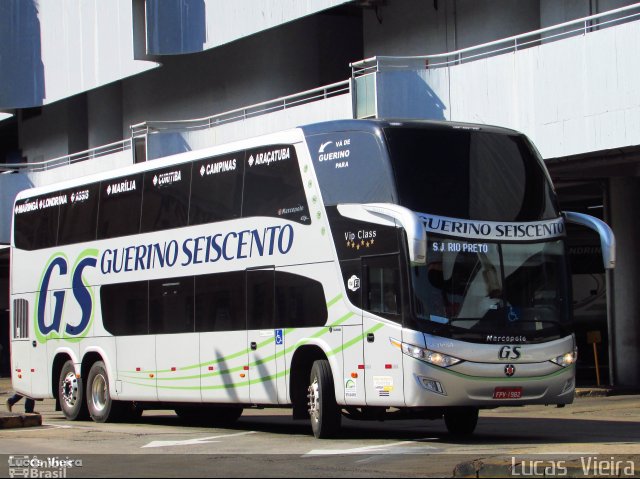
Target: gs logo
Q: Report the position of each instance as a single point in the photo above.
(59, 265)
(509, 352)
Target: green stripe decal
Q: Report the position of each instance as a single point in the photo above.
(142, 375)
(267, 359)
(334, 301)
(279, 354)
(354, 341)
(137, 374)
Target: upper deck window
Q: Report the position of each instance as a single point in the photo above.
(216, 189)
(273, 184)
(79, 215)
(36, 221)
(469, 174)
(165, 198)
(351, 168)
(120, 203)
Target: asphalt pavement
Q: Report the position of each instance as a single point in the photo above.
(590, 402)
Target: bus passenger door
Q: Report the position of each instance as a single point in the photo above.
(382, 323)
(353, 373)
(38, 363)
(38, 366)
(261, 336)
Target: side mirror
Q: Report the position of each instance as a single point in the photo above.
(607, 238)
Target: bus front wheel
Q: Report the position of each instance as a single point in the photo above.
(71, 393)
(461, 421)
(323, 410)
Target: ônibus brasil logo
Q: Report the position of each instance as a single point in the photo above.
(59, 267)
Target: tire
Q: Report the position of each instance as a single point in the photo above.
(217, 416)
(71, 394)
(102, 408)
(461, 421)
(323, 410)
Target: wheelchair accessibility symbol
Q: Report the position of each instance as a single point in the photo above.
(279, 337)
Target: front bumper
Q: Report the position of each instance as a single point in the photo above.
(475, 384)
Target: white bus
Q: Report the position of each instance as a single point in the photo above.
(371, 269)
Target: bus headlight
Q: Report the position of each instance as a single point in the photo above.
(428, 356)
(566, 359)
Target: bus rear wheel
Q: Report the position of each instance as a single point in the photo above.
(71, 393)
(102, 408)
(461, 421)
(323, 410)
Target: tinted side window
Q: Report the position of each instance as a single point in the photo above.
(171, 305)
(219, 302)
(120, 201)
(216, 190)
(260, 299)
(79, 216)
(165, 198)
(36, 221)
(382, 287)
(300, 301)
(124, 308)
(273, 184)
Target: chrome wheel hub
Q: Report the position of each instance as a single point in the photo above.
(314, 400)
(70, 389)
(99, 392)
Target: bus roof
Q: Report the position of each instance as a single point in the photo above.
(373, 125)
(285, 136)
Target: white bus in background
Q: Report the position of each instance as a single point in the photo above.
(371, 269)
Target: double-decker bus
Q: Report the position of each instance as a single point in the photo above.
(367, 268)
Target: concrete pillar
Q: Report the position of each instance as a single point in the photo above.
(624, 197)
(104, 115)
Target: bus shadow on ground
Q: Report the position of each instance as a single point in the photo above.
(512, 431)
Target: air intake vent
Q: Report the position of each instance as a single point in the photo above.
(20, 319)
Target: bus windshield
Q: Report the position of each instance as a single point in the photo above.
(464, 173)
(475, 291)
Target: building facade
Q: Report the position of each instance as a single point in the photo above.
(133, 74)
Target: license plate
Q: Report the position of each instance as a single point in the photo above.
(507, 393)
